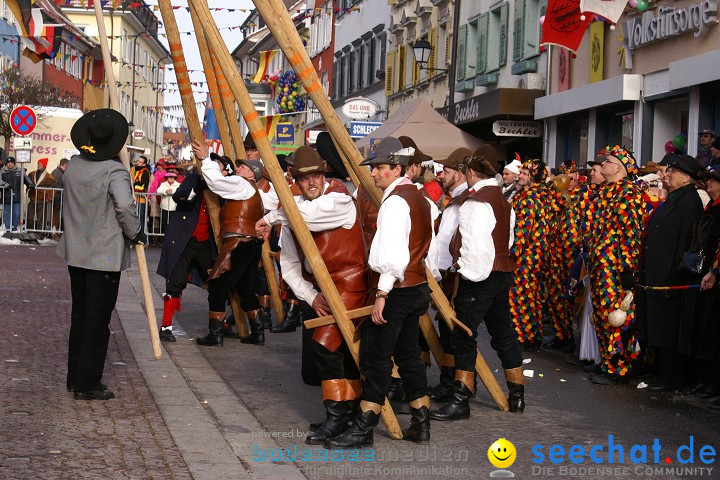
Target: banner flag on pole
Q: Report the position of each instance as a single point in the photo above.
(270, 124)
(211, 130)
(563, 25)
(266, 57)
(41, 39)
(610, 9)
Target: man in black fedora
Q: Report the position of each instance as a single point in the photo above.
(99, 215)
(402, 249)
(667, 237)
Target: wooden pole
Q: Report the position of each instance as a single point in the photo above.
(193, 123)
(273, 283)
(228, 106)
(276, 17)
(214, 92)
(124, 158)
(300, 230)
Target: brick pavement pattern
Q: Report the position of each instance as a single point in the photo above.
(44, 432)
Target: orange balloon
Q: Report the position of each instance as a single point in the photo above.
(561, 182)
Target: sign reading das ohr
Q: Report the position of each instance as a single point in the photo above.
(23, 120)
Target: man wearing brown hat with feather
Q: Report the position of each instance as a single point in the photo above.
(330, 213)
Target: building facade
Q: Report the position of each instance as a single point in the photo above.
(652, 78)
(9, 48)
(140, 56)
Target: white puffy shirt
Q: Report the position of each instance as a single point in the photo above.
(233, 187)
(477, 221)
(448, 227)
(389, 252)
(327, 212)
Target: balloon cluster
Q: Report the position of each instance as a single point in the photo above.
(271, 79)
(288, 94)
(676, 145)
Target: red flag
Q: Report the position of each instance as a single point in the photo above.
(563, 25)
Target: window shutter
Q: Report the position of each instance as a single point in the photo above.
(432, 60)
(503, 33)
(462, 40)
(389, 64)
(401, 68)
(448, 45)
(518, 30)
(482, 33)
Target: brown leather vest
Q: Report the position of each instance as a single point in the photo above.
(263, 184)
(344, 253)
(367, 213)
(501, 233)
(420, 234)
(239, 216)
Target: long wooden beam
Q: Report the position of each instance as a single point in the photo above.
(276, 17)
(300, 230)
(125, 159)
(195, 131)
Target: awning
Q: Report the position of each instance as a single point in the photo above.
(613, 90)
(695, 70)
(499, 102)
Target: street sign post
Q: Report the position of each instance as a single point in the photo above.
(23, 120)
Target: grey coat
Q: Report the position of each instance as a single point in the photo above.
(98, 208)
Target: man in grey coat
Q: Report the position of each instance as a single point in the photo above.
(99, 214)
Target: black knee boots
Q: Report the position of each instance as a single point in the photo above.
(361, 431)
(292, 318)
(516, 387)
(419, 430)
(337, 414)
(443, 390)
(459, 405)
(257, 334)
(215, 336)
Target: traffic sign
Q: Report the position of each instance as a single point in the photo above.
(22, 156)
(22, 143)
(23, 120)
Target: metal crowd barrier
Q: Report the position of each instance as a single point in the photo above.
(43, 212)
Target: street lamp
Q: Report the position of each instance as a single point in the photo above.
(422, 50)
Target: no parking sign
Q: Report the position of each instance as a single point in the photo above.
(23, 120)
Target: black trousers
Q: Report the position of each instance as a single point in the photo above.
(398, 338)
(330, 365)
(242, 277)
(488, 301)
(94, 294)
(196, 254)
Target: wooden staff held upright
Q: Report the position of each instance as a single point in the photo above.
(193, 123)
(124, 158)
(302, 234)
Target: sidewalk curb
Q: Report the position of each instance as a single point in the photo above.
(209, 423)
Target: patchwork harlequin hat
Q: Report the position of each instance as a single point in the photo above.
(626, 158)
(537, 169)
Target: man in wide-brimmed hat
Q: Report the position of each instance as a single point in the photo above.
(330, 213)
(236, 267)
(456, 186)
(402, 247)
(666, 237)
(481, 255)
(99, 215)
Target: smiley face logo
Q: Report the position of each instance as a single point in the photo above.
(502, 453)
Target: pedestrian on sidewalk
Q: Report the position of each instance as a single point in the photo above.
(100, 215)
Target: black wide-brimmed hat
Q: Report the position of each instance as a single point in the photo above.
(713, 171)
(100, 134)
(389, 152)
(228, 165)
(328, 152)
(307, 161)
(689, 165)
